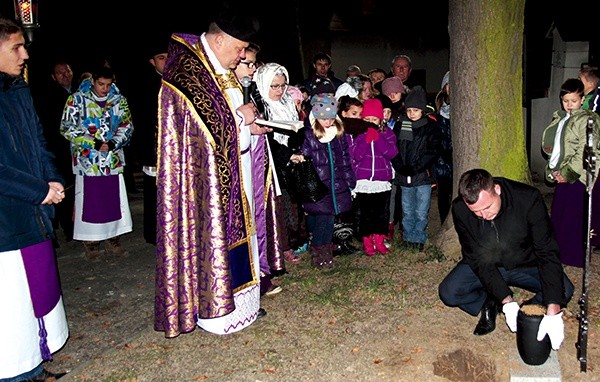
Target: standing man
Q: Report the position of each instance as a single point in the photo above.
(323, 79)
(97, 122)
(402, 68)
(507, 240)
(33, 324)
(207, 271)
(148, 134)
(50, 103)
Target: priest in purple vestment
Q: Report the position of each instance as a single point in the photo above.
(207, 271)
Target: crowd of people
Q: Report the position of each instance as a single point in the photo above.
(220, 131)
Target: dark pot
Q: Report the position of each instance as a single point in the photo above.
(532, 351)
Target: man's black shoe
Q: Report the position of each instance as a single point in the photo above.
(46, 376)
(487, 320)
(261, 313)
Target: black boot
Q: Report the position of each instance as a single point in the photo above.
(487, 319)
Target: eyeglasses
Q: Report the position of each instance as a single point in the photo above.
(279, 86)
(251, 65)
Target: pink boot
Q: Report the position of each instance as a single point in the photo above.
(379, 244)
(368, 246)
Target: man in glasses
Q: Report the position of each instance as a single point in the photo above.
(507, 241)
(248, 66)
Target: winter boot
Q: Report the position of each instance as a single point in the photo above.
(390, 234)
(368, 245)
(322, 256)
(316, 255)
(113, 247)
(92, 251)
(379, 244)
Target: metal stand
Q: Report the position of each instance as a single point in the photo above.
(589, 163)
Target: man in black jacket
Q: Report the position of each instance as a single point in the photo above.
(507, 240)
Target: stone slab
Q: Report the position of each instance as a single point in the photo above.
(549, 371)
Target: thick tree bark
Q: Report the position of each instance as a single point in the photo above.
(486, 55)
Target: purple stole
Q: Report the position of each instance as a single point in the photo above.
(44, 287)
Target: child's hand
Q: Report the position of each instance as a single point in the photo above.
(297, 158)
(558, 177)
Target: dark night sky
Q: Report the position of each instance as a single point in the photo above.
(84, 32)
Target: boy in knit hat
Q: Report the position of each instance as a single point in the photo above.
(371, 153)
(418, 145)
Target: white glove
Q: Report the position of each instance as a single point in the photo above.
(554, 326)
(510, 311)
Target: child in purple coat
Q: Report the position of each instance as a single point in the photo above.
(371, 153)
(325, 144)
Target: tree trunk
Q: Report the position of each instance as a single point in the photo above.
(486, 55)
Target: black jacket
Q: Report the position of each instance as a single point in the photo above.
(416, 157)
(521, 235)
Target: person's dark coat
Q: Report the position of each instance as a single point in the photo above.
(521, 235)
(26, 167)
(417, 156)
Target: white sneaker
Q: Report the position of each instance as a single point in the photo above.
(273, 290)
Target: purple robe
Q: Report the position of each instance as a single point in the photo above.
(203, 249)
(569, 218)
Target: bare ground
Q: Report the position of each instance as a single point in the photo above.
(370, 319)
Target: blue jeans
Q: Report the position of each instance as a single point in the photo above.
(415, 213)
(321, 227)
(25, 376)
(462, 288)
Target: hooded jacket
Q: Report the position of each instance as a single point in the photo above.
(86, 125)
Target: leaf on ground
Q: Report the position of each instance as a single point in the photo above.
(354, 350)
(202, 378)
(269, 371)
(401, 329)
(331, 322)
(378, 361)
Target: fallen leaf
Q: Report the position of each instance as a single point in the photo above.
(378, 361)
(354, 350)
